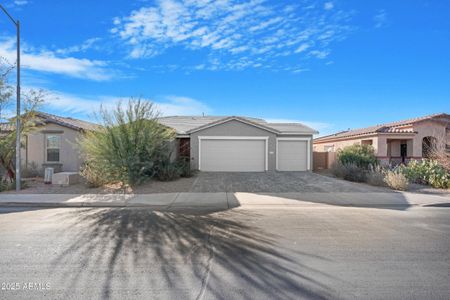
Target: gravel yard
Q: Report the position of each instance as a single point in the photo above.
(258, 182)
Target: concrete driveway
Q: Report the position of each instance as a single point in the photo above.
(276, 182)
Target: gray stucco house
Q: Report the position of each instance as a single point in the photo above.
(225, 144)
(241, 144)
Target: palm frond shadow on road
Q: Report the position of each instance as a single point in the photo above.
(174, 251)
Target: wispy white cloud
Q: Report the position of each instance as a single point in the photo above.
(85, 105)
(83, 47)
(51, 62)
(302, 48)
(234, 33)
(21, 2)
(328, 5)
(320, 54)
(177, 105)
(380, 19)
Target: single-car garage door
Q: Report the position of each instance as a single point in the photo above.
(232, 155)
(292, 155)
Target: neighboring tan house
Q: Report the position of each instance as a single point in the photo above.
(241, 144)
(53, 143)
(394, 142)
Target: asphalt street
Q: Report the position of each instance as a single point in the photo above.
(317, 252)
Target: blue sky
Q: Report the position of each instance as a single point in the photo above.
(331, 64)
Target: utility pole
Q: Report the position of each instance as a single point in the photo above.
(18, 166)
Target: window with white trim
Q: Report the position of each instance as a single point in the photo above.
(53, 146)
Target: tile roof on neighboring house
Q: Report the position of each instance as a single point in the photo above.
(188, 124)
(400, 127)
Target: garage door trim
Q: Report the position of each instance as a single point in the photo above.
(308, 155)
(264, 138)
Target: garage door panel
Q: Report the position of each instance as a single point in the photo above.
(292, 155)
(229, 155)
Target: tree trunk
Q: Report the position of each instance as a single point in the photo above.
(10, 174)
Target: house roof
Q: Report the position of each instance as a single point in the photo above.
(44, 118)
(292, 128)
(66, 121)
(398, 127)
(189, 124)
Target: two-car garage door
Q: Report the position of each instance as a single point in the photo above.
(250, 154)
(233, 155)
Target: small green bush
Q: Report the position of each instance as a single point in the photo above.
(350, 172)
(396, 180)
(427, 171)
(7, 185)
(184, 166)
(167, 170)
(363, 156)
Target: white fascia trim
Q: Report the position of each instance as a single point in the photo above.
(308, 156)
(264, 138)
(294, 139)
(298, 133)
(229, 137)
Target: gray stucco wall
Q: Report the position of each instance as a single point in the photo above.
(236, 128)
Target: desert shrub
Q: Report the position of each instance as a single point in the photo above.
(128, 145)
(363, 156)
(396, 180)
(167, 170)
(376, 176)
(427, 171)
(184, 166)
(31, 170)
(338, 169)
(93, 176)
(350, 172)
(8, 185)
(5, 185)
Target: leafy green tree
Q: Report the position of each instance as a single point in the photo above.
(31, 100)
(128, 147)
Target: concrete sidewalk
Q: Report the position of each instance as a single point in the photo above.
(223, 201)
(162, 201)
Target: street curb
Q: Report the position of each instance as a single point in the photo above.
(168, 207)
(78, 205)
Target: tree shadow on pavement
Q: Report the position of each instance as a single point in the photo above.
(181, 255)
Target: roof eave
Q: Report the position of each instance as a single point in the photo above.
(299, 133)
(368, 134)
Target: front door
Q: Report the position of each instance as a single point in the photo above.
(403, 151)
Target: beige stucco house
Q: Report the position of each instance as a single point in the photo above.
(53, 143)
(394, 142)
